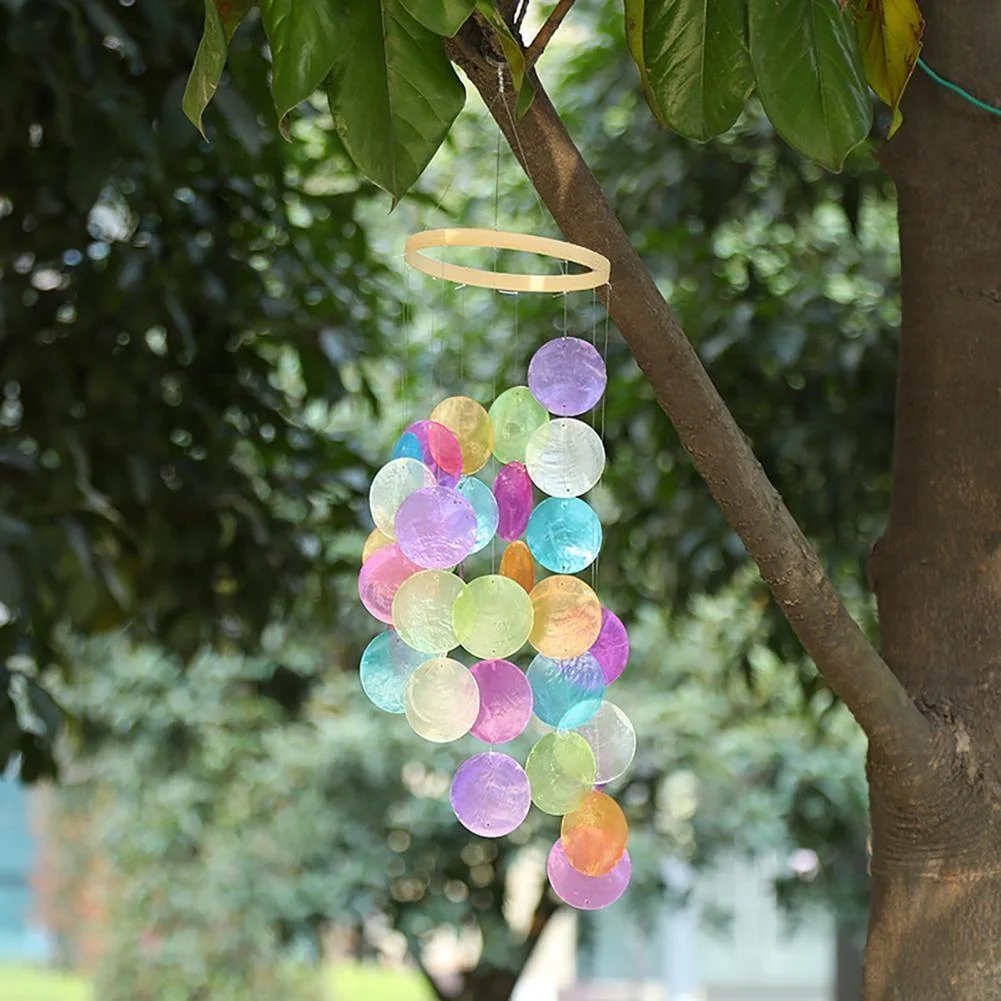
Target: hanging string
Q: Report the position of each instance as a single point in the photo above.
(441, 337)
(594, 344)
(604, 355)
(601, 427)
(406, 318)
(517, 139)
(497, 164)
(517, 328)
(434, 354)
(462, 336)
(956, 89)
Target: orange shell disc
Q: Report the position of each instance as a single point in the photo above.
(595, 835)
(518, 565)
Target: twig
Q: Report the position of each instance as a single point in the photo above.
(439, 994)
(546, 32)
(519, 17)
(545, 909)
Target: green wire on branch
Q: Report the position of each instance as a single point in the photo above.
(956, 89)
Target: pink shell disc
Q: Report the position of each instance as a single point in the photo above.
(513, 490)
(505, 701)
(611, 648)
(436, 446)
(586, 893)
(380, 579)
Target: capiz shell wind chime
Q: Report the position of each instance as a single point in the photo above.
(517, 472)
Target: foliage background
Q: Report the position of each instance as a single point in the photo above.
(203, 358)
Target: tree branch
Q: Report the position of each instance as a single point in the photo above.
(899, 735)
(547, 31)
(519, 17)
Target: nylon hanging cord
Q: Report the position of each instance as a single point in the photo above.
(956, 89)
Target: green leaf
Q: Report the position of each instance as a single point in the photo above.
(514, 56)
(304, 36)
(393, 92)
(693, 60)
(443, 17)
(890, 34)
(809, 76)
(221, 21)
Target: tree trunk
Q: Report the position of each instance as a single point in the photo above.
(488, 983)
(935, 927)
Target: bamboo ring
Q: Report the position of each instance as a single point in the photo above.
(504, 281)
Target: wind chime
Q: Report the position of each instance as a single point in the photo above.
(456, 482)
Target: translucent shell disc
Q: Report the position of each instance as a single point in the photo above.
(567, 693)
(391, 486)
(514, 415)
(561, 769)
(505, 701)
(518, 565)
(493, 617)
(422, 611)
(586, 893)
(565, 457)
(441, 700)
(567, 376)
(470, 424)
(567, 617)
(386, 666)
(490, 794)
(595, 835)
(564, 534)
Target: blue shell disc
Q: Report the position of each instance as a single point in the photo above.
(567, 693)
(485, 507)
(386, 666)
(564, 534)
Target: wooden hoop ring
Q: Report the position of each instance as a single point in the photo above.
(504, 281)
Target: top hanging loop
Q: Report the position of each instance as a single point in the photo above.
(505, 281)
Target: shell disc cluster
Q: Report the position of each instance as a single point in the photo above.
(511, 478)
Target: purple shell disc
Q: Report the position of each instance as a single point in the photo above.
(611, 648)
(436, 528)
(490, 794)
(586, 893)
(505, 701)
(513, 490)
(567, 376)
(380, 578)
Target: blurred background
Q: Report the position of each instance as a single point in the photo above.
(206, 349)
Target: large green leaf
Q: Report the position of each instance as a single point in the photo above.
(304, 36)
(809, 75)
(443, 17)
(393, 92)
(693, 61)
(211, 56)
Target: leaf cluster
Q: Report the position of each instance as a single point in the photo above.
(176, 328)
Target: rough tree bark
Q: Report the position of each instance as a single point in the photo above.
(931, 708)
(935, 930)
